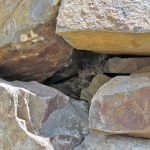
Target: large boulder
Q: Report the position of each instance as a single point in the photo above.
(64, 121)
(125, 65)
(16, 128)
(29, 47)
(101, 142)
(122, 106)
(47, 100)
(106, 26)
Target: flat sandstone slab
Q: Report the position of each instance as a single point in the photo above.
(106, 26)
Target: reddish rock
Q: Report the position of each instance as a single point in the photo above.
(122, 106)
(35, 60)
(143, 70)
(125, 65)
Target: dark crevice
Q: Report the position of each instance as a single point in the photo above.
(50, 81)
(116, 74)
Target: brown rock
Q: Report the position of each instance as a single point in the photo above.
(101, 142)
(29, 48)
(36, 61)
(143, 70)
(96, 83)
(20, 16)
(125, 65)
(122, 106)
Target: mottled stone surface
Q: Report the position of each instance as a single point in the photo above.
(63, 121)
(29, 47)
(20, 16)
(106, 26)
(47, 100)
(101, 142)
(16, 127)
(125, 65)
(96, 83)
(122, 106)
(143, 70)
(67, 127)
(36, 61)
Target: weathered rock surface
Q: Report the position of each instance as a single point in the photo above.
(20, 16)
(125, 65)
(143, 70)
(122, 106)
(47, 100)
(29, 47)
(63, 121)
(16, 128)
(96, 83)
(67, 127)
(106, 26)
(101, 142)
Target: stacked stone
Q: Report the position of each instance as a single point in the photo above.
(104, 103)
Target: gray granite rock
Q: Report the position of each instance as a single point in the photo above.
(67, 127)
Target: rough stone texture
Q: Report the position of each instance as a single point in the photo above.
(67, 127)
(47, 100)
(20, 16)
(96, 83)
(106, 26)
(122, 106)
(125, 65)
(101, 142)
(63, 121)
(143, 70)
(29, 47)
(16, 128)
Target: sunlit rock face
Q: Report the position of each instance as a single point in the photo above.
(29, 47)
(122, 106)
(17, 130)
(106, 26)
